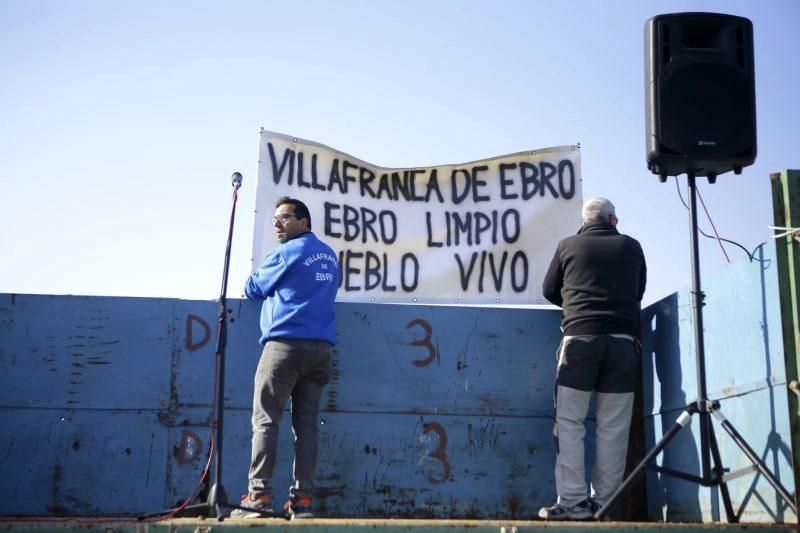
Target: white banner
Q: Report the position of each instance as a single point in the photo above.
(475, 233)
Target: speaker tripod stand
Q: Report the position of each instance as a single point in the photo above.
(705, 409)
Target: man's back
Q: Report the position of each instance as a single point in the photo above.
(598, 278)
(298, 283)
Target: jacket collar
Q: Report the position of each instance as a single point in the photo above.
(595, 227)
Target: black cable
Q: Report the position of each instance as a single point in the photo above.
(750, 255)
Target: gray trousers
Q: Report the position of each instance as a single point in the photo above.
(607, 365)
(300, 369)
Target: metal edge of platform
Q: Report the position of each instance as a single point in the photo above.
(336, 525)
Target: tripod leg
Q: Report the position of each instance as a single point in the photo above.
(679, 424)
(748, 451)
(720, 472)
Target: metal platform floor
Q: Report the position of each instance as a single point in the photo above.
(337, 525)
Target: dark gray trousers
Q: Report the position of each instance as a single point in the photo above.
(288, 368)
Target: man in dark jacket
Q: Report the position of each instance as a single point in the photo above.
(598, 278)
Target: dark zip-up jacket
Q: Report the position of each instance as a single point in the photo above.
(598, 278)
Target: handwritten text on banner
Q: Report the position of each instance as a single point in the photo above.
(476, 233)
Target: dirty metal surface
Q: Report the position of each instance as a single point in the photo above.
(431, 412)
(74, 352)
(393, 526)
(745, 372)
(786, 212)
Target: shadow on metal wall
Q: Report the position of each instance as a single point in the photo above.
(775, 448)
(745, 374)
(674, 499)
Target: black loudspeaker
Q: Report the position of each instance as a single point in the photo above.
(699, 94)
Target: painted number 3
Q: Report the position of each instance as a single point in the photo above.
(426, 341)
(439, 453)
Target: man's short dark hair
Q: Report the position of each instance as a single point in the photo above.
(300, 209)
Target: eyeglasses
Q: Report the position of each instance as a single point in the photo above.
(282, 217)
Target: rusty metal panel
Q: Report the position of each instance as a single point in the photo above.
(83, 352)
(402, 358)
(745, 371)
(440, 412)
(786, 210)
(193, 357)
(411, 465)
(83, 382)
(423, 359)
(58, 462)
(404, 378)
(432, 411)
(427, 407)
(357, 525)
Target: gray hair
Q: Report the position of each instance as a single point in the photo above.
(597, 210)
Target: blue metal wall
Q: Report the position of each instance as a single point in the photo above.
(432, 412)
(745, 371)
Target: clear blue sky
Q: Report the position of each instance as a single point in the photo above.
(121, 122)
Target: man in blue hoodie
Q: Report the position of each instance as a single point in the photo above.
(297, 283)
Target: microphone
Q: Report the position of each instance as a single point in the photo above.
(236, 180)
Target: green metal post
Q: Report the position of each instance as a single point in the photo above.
(786, 208)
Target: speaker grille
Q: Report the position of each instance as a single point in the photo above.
(705, 110)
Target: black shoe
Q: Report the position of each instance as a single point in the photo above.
(557, 511)
(595, 506)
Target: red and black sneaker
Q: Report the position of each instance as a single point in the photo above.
(298, 508)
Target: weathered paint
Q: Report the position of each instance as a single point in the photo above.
(786, 210)
(745, 372)
(432, 411)
(190, 525)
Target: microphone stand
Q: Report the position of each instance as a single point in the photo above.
(216, 499)
(216, 495)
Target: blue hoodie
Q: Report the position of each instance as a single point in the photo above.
(297, 282)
